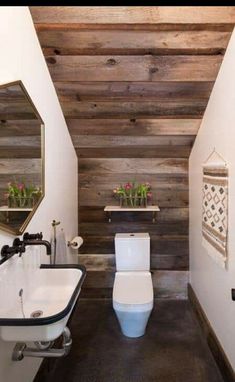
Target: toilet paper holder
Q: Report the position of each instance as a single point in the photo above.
(75, 243)
(71, 243)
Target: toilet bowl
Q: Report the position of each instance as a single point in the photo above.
(133, 301)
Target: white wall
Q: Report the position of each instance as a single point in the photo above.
(22, 59)
(211, 283)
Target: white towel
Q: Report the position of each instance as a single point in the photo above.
(61, 248)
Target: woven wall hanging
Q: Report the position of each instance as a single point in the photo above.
(215, 207)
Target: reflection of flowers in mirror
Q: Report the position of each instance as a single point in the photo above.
(20, 195)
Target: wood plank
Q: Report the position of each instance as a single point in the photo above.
(160, 228)
(19, 128)
(96, 141)
(134, 165)
(110, 181)
(20, 152)
(140, 152)
(97, 215)
(113, 109)
(18, 141)
(107, 262)
(166, 284)
(162, 197)
(97, 262)
(122, 42)
(133, 91)
(145, 17)
(16, 111)
(26, 178)
(20, 166)
(146, 127)
(168, 262)
(13, 93)
(134, 68)
(160, 245)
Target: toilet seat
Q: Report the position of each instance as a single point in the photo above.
(133, 291)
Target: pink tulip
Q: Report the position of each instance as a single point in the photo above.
(128, 186)
(149, 195)
(21, 186)
(115, 191)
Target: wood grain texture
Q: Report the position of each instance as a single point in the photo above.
(162, 151)
(147, 109)
(135, 17)
(35, 178)
(98, 141)
(19, 141)
(133, 91)
(122, 42)
(166, 284)
(107, 262)
(19, 152)
(134, 166)
(133, 127)
(134, 68)
(172, 228)
(165, 215)
(134, 83)
(20, 166)
(163, 197)
(109, 181)
(160, 244)
(20, 128)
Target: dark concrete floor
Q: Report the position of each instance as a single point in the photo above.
(173, 349)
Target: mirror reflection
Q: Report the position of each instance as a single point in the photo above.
(21, 158)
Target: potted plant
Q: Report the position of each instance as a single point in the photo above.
(21, 196)
(133, 195)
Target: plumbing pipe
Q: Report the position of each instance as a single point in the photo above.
(21, 350)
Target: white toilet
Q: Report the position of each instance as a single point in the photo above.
(133, 288)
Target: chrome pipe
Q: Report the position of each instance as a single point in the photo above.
(21, 350)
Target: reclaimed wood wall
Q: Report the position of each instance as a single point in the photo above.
(133, 83)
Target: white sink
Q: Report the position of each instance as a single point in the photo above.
(50, 290)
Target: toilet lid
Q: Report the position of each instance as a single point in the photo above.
(133, 288)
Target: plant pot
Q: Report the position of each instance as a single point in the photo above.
(20, 202)
(132, 202)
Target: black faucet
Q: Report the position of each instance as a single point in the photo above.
(36, 239)
(18, 247)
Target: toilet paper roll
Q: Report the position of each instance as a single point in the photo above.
(76, 242)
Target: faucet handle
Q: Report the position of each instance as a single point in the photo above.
(20, 245)
(8, 251)
(32, 236)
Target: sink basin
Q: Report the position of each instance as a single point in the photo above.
(48, 293)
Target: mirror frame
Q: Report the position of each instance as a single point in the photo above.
(5, 227)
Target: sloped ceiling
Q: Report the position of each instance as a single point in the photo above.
(137, 72)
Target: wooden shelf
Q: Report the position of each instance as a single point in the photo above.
(6, 212)
(7, 209)
(110, 209)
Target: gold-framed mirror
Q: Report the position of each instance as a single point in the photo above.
(22, 161)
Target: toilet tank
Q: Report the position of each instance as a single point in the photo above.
(132, 251)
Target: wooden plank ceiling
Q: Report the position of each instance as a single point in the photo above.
(148, 70)
(133, 83)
